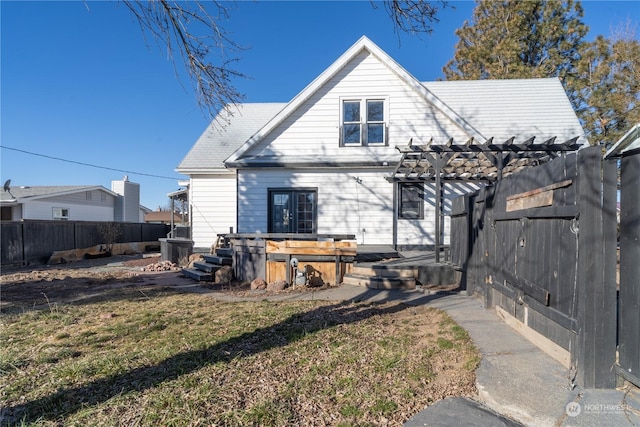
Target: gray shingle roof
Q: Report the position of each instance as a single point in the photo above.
(513, 107)
(220, 139)
(22, 192)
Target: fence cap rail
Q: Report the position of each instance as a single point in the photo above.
(288, 236)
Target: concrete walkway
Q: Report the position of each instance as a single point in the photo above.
(517, 382)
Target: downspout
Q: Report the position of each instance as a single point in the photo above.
(172, 224)
(395, 215)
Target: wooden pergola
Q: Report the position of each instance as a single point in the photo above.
(472, 162)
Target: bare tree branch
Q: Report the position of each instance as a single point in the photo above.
(191, 29)
(414, 16)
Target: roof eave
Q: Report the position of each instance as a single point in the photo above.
(629, 141)
(64, 193)
(205, 171)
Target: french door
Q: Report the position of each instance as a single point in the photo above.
(293, 211)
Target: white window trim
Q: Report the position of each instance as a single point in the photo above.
(363, 120)
(58, 214)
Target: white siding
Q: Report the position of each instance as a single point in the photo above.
(212, 206)
(313, 129)
(16, 213)
(344, 205)
(43, 209)
(422, 232)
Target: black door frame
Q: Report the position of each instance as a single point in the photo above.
(293, 192)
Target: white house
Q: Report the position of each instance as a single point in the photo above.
(73, 202)
(318, 163)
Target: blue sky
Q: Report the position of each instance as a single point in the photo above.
(80, 82)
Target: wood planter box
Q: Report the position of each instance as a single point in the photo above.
(323, 258)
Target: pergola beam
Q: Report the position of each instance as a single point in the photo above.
(471, 162)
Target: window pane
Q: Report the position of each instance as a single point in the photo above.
(351, 111)
(411, 201)
(375, 134)
(375, 111)
(351, 134)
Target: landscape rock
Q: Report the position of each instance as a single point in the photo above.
(161, 266)
(194, 258)
(258, 284)
(224, 275)
(277, 286)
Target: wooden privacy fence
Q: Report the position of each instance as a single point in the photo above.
(540, 247)
(24, 242)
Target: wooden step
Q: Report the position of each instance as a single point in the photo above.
(198, 275)
(220, 260)
(383, 271)
(376, 282)
(224, 252)
(206, 267)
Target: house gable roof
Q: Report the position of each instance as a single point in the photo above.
(362, 44)
(481, 109)
(225, 134)
(22, 194)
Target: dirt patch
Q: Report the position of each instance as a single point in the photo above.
(30, 287)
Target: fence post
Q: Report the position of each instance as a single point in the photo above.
(594, 355)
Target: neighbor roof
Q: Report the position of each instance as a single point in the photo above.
(228, 131)
(25, 193)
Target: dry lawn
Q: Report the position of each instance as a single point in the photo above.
(136, 353)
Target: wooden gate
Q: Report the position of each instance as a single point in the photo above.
(629, 315)
(542, 243)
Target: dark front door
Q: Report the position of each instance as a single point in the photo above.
(292, 211)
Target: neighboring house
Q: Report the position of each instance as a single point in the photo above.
(72, 202)
(164, 217)
(318, 163)
(61, 202)
(142, 212)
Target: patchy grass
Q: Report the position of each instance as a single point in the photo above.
(184, 359)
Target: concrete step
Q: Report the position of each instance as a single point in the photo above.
(384, 271)
(220, 260)
(376, 282)
(198, 275)
(356, 280)
(206, 267)
(224, 252)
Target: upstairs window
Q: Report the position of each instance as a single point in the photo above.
(363, 122)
